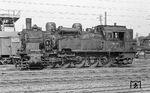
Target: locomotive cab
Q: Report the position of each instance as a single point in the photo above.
(119, 41)
(115, 36)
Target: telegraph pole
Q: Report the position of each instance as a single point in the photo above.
(100, 19)
(105, 18)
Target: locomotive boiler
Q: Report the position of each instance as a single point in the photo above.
(64, 47)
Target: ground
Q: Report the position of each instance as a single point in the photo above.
(75, 80)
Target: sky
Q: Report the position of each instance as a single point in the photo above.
(134, 14)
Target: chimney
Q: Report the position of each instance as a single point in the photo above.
(115, 24)
(28, 23)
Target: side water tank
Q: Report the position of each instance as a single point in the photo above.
(77, 26)
(50, 26)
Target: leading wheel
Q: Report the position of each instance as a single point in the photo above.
(18, 66)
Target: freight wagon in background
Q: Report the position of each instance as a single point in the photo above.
(9, 43)
(9, 40)
(143, 46)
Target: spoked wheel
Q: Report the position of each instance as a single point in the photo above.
(72, 64)
(105, 61)
(130, 61)
(80, 62)
(125, 61)
(68, 65)
(98, 62)
(51, 65)
(57, 65)
(54, 65)
(94, 62)
(86, 62)
(112, 62)
(4, 62)
(65, 65)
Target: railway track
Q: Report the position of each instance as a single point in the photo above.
(84, 80)
(98, 89)
(74, 78)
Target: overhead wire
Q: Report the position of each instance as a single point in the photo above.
(73, 13)
(51, 13)
(70, 5)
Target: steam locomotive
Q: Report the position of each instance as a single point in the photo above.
(62, 47)
(143, 46)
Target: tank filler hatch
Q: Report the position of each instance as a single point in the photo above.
(68, 31)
